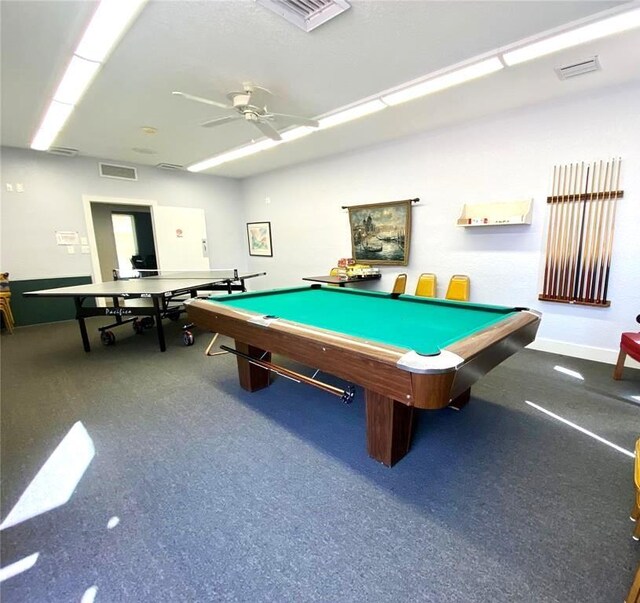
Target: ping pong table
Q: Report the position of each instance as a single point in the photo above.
(156, 295)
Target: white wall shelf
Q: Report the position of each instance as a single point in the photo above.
(496, 214)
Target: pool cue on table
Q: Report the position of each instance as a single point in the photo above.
(576, 289)
(611, 231)
(346, 395)
(545, 285)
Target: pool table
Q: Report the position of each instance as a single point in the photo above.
(406, 352)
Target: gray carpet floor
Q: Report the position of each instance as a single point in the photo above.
(223, 495)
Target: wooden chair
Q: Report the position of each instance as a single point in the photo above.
(400, 285)
(629, 344)
(426, 286)
(634, 591)
(5, 302)
(458, 288)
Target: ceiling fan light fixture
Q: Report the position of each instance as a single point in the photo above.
(442, 82)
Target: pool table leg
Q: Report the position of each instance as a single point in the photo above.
(461, 401)
(252, 377)
(389, 427)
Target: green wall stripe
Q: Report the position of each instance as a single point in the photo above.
(34, 310)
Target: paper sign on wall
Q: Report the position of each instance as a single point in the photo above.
(67, 237)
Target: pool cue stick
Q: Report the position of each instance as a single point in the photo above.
(611, 231)
(599, 243)
(556, 236)
(567, 244)
(592, 233)
(575, 213)
(597, 234)
(563, 230)
(576, 290)
(346, 395)
(554, 207)
(545, 284)
(586, 255)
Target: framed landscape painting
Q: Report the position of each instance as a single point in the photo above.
(380, 232)
(259, 234)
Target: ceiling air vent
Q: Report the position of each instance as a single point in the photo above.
(170, 166)
(306, 14)
(580, 68)
(122, 172)
(63, 151)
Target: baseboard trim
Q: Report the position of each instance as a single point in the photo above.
(585, 352)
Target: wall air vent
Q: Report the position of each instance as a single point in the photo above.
(63, 151)
(580, 68)
(306, 14)
(170, 166)
(121, 172)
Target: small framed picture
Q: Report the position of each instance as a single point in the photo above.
(259, 234)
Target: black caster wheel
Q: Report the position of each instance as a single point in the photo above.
(137, 325)
(107, 338)
(147, 322)
(188, 338)
(174, 315)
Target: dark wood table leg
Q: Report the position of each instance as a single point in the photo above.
(252, 377)
(389, 428)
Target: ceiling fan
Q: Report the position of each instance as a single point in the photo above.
(244, 104)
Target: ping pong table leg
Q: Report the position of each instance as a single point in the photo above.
(159, 327)
(81, 324)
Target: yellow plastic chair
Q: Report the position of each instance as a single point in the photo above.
(400, 285)
(426, 286)
(458, 288)
(635, 511)
(5, 302)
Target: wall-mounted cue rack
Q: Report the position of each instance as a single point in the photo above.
(582, 217)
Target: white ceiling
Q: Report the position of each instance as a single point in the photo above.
(209, 48)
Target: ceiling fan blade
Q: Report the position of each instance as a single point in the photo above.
(267, 129)
(219, 121)
(296, 119)
(199, 99)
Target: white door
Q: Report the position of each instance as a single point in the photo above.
(181, 238)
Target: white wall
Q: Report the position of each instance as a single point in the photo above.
(503, 158)
(52, 200)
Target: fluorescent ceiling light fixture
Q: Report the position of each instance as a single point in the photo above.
(569, 372)
(233, 155)
(297, 133)
(109, 22)
(53, 122)
(351, 114)
(107, 26)
(593, 31)
(76, 80)
(442, 82)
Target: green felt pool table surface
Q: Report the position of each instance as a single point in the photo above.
(425, 325)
